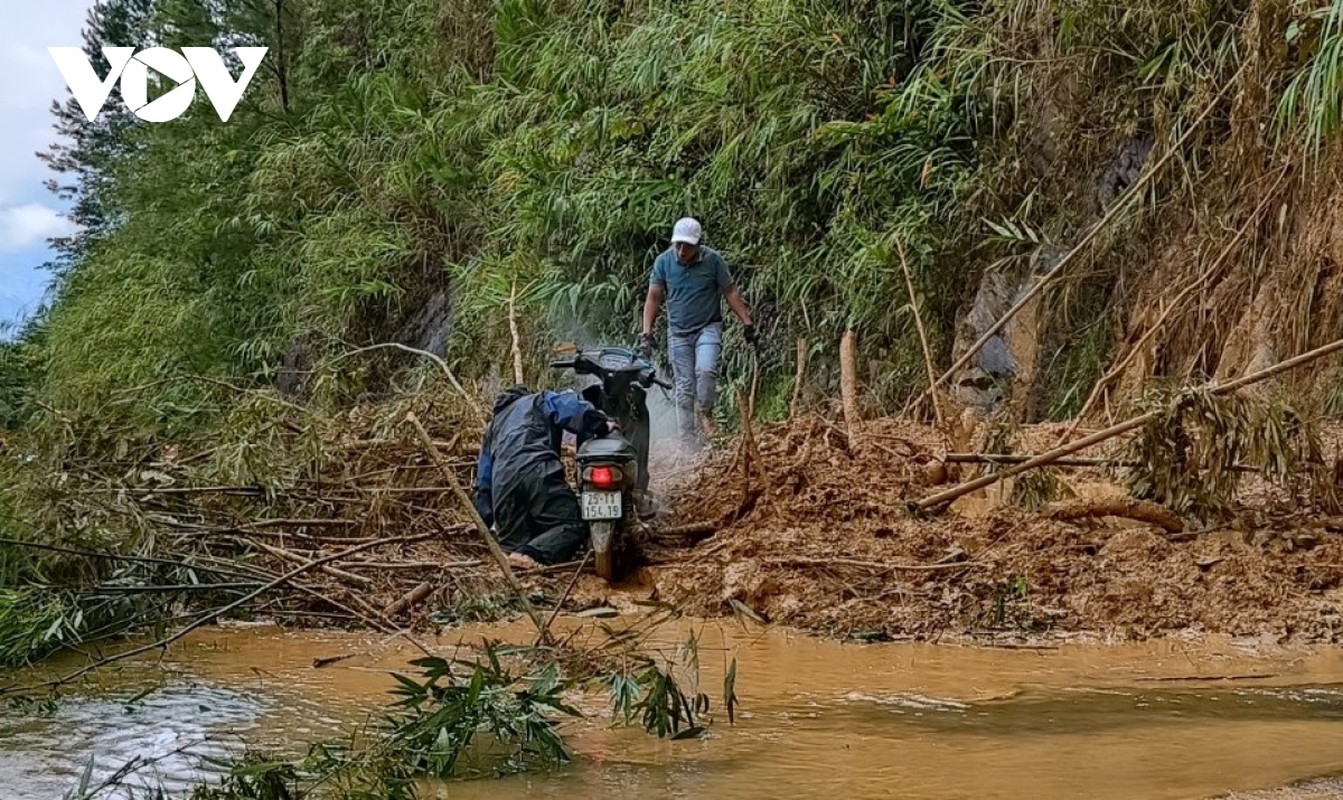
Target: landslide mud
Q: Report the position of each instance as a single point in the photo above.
(823, 540)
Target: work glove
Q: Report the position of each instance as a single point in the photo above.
(645, 348)
(751, 338)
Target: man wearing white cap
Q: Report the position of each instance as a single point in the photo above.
(693, 280)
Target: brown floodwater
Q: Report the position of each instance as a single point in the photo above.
(1169, 719)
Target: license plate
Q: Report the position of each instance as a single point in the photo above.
(601, 505)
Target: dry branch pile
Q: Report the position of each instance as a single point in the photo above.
(360, 480)
(801, 523)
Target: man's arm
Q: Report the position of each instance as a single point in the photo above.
(652, 303)
(738, 305)
(575, 414)
(729, 289)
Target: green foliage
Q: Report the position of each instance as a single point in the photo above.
(34, 624)
(442, 716)
(1188, 457)
(395, 150)
(1011, 604)
(1312, 101)
(469, 719)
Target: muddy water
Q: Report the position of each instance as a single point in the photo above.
(882, 720)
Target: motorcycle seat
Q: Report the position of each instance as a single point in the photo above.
(614, 446)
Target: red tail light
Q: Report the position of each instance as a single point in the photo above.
(603, 477)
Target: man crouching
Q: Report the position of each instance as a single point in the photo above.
(521, 489)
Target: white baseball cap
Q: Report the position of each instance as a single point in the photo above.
(686, 230)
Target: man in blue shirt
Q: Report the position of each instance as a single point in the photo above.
(520, 484)
(692, 280)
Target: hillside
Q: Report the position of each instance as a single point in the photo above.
(1150, 187)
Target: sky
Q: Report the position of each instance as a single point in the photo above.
(29, 214)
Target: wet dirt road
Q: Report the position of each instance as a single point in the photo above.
(1161, 720)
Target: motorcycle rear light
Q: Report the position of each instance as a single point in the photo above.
(603, 477)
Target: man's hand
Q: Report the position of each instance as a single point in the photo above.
(645, 348)
(612, 426)
(751, 338)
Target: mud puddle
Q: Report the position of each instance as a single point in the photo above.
(1166, 719)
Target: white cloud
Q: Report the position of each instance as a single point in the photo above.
(23, 226)
(28, 212)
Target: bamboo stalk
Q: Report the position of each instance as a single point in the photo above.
(1130, 195)
(51, 548)
(849, 562)
(513, 332)
(1117, 370)
(797, 378)
(415, 564)
(848, 383)
(278, 552)
(923, 337)
(567, 589)
(1049, 457)
(154, 588)
(409, 599)
(495, 551)
(200, 621)
(1015, 458)
(443, 365)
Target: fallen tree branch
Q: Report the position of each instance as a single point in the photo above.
(549, 569)
(1017, 458)
(693, 529)
(800, 561)
(443, 365)
(118, 557)
(1103, 385)
(495, 551)
(1128, 507)
(151, 588)
(296, 523)
(409, 599)
(1049, 457)
(200, 621)
(278, 552)
(415, 564)
(560, 603)
(748, 436)
(923, 337)
(1182, 678)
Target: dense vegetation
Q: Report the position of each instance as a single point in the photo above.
(400, 169)
(390, 151)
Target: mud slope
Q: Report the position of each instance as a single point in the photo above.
(830, 547)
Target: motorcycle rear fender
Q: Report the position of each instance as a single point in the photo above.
(603, 534)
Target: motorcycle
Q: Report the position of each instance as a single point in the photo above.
(613, 469)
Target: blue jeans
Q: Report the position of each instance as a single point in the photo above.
(694, 363)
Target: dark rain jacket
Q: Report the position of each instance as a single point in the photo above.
(523, 441)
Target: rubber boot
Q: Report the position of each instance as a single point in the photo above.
(708, 428)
